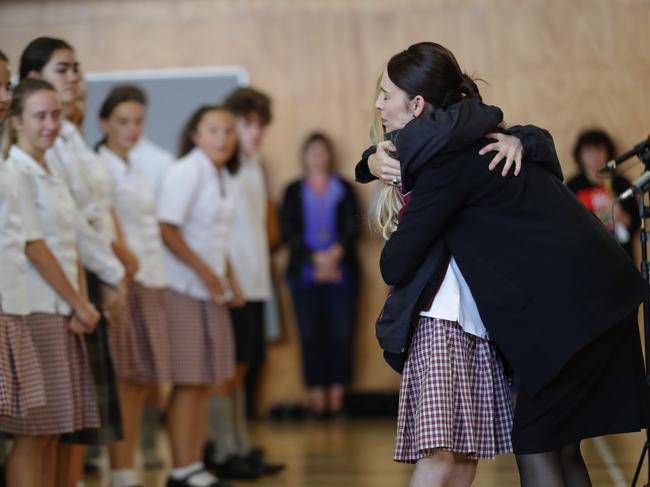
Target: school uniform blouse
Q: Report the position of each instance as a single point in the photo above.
(135, 204)
(152, 161)
(13, 262)
(95, 227)
(200, 200)
(454, 302)
(249, 246)
(87, 178)
(48, 212)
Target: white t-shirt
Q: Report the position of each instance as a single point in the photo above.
(454, 302)
(200, 200)
(249, 248)
(13, 262)
(152, 161)
(135, 203)
(48, 212)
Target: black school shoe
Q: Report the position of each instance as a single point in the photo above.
(236, 468)
(256, 459)
(185, 482)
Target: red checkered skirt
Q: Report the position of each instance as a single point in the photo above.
(21, 377)
(140, 339)
(70, 398)
(454, 396)
(201, 341)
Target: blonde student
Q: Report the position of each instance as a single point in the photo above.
(60, 313)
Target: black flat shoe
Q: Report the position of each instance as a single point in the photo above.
(256, 459)
(236, 468)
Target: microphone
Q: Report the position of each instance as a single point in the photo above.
(637, 149)
(641, 184)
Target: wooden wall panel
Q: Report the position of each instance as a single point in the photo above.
(560, 64)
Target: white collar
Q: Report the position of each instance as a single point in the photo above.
(112, 159)
(26, 161)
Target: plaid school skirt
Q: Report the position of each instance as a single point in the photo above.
(70, 398)
(140, 338)
(454, 396)
(201, 341)
(21, 377)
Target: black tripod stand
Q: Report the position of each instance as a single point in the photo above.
(644, 213)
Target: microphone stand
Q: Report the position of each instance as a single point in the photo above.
(644, 212)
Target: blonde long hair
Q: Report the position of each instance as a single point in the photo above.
(388, 201)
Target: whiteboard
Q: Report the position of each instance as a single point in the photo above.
(172, 96)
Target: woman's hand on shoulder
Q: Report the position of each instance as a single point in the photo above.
(383, 166)
(505, 146)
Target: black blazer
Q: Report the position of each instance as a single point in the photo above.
(292, 228)
(546, 275)
(462, 123)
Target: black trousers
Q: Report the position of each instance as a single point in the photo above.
(326, 315)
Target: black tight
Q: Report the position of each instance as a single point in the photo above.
(558, 468)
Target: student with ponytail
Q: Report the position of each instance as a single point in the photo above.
(60, 314)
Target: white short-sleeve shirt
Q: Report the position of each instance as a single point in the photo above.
(89, 185)
(454, 302)
(13, 262)
(249, 247)
(135, 203)
(86, 176)
(48, 212)
(200, 200)
(152, 161)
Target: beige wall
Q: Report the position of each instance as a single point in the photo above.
(560, 64)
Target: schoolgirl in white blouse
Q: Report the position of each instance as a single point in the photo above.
(60, 313)
(196, 208)
(141, 351)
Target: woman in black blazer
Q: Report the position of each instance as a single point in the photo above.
(320, 224)
(556, 292)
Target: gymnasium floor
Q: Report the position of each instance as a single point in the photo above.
(357, 453)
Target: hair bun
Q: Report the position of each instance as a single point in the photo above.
(468, 88)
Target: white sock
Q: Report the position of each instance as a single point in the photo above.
(124, 477)
(222, 427)
(182, 472)
(201, 477)
(241, 422)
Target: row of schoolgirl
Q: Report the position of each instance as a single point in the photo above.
(115, 277)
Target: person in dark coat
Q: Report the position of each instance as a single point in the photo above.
(320, 224)
(557, 294)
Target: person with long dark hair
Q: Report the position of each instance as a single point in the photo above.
(107, 264)
(140, 345)
(195, 208)
(545, 297)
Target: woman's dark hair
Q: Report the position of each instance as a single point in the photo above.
(431, 71)
(186, 144)
(3, 57)
(24, 89)
(593, 138)
(38, 53)
(119, 94)
(245, 102)
(321, 138)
